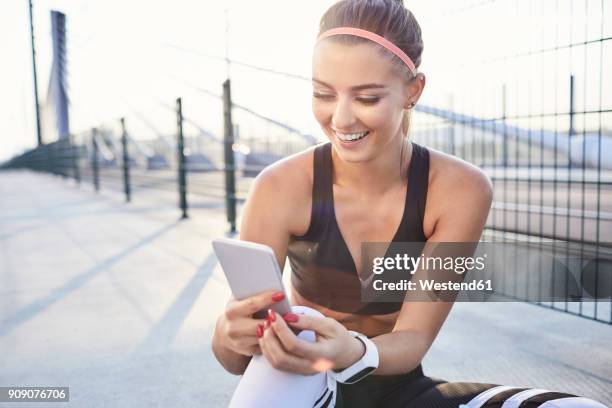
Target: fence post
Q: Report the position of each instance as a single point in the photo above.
(57, 158)
(50, 158)
(230, 173)
(505, 135)
(94, 160)
(451, 138)
(126, 163)
(63, 149)
(571, 107)
(182, 177)
(75, 160)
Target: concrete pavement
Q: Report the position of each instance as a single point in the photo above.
(118, 301)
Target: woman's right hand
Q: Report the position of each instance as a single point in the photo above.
(239, 330)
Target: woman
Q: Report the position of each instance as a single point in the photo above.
(370, 183)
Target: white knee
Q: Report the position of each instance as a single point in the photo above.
(307, 335)
(306, 310)
(264, 386)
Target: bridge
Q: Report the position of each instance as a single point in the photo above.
(110, 284)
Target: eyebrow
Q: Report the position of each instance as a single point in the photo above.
(353, 88)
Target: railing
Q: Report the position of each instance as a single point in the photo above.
(549, 163)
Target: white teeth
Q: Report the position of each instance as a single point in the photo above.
(351, 136)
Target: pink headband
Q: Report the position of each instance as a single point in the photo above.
(373, 37)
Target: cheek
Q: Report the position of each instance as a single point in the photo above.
(320, 112)
(379, 116)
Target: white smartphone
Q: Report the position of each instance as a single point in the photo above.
(250, 269)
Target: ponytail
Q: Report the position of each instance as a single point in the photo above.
(406, 120)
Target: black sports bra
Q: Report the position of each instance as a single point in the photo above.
(323, 270)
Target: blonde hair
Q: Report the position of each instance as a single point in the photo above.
(406, 121)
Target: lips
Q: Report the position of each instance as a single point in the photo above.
(351, 144)
(351, 137)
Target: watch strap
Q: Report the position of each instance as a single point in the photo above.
(362, 367)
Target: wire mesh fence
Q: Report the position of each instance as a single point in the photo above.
(539, 130)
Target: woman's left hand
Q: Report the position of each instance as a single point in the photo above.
(335, 347)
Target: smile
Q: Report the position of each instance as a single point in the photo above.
(351, 137)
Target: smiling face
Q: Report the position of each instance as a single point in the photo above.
(357, 90)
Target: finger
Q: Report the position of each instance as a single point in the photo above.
(323, 326)
(265, 350)
(246, 342)
(242, 327)
(251, 305)
(243, 345)
(254, 349)
(282, 360)
(291, 343)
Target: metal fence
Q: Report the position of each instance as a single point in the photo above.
(540, 135)
(541, 128)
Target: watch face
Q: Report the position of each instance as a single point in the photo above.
(358, 376)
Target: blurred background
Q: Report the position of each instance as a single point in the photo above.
(174, 108)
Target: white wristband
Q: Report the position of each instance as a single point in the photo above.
(362, 367)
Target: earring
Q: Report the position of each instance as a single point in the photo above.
(412, 104)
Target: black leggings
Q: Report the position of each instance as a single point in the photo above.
(415, 390)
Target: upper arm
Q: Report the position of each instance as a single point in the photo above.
(265, 214)
(278, 204)
(464, 199)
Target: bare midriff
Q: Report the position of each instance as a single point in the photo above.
(370, 325)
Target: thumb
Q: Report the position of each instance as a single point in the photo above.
(321, 325)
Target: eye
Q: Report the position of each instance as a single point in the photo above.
(366, 101)
(321, 96)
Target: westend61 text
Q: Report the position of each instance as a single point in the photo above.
(430, 284)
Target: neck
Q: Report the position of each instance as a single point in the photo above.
(377, 175)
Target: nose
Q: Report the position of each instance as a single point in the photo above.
(343, 116)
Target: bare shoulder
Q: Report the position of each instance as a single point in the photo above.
(456, 189)
(286, 188)
(453, 175)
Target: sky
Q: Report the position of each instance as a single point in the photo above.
(124, 60)
(120, 57)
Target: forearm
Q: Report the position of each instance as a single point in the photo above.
(400, 351)
(233, 362)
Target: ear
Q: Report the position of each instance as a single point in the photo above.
(414, 89)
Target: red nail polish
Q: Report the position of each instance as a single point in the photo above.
(260, 330)
(291, 317)
(266, 324)
(278, 296)
(271, 316)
